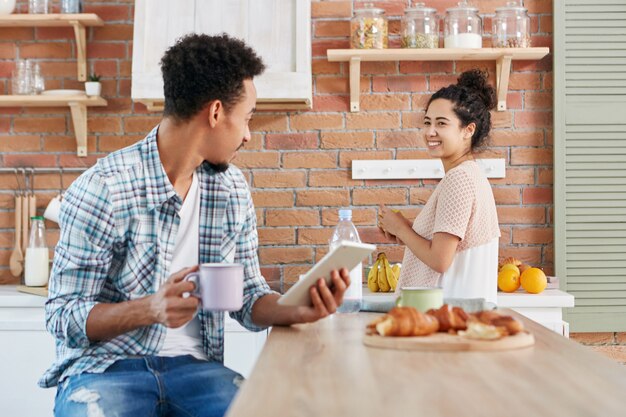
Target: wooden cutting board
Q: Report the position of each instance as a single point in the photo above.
(41, 291)
(449, 342)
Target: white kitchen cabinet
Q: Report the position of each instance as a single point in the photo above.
(278, 30)
(27, 350)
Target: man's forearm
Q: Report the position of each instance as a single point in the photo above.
(106, 321)
(266, 312)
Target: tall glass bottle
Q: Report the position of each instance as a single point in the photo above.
(345, 230)
(36, 259)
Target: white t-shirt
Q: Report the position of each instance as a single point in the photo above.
(186, 339)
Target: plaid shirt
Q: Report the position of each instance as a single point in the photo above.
(118, 228)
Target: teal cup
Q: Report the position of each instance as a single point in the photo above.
(420, 298)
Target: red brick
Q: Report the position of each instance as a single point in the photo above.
(41, 50)
(73, 160)
(268, 123)
(106, 68)
(419, 195)
(307, 236)
(438, 81)
(331, 28)
(104, 125)
(402, 139)
(17, 34)
(538, 100)
(281, 236)
(316, 121)
(140, 124)
(360, 217)
(287, 255)
(113, 143)
(319, 48)
(100, 50)
(29, 160)
(376, 67)
(413, 119)
(378, 120)
(521, 215)
(332, 103)
(545, 176)
(20, 143)
(334, 178)
(426, 67)
(537, 196)
(533, 235)
(272, 198)
(531, 156)
(401, 84)
(65, 143)
(385, 102)
(524, 81)
(315, 159)
(292, 274)
(113, 32)
(373, 197)
(546, 24)
(374, 235)
(51, 33)
(332, 85)
(506, 195)
(346, 158)
(323, 66)
(347, 140)
(277, 179)
(323, 198)
(292, 217)
(7, 50)
(502, 119)
(617, 353)
(331, 9)
(527, 254)
(39, 124)
(257, 159)
(292, 141)
(517, 176)
(505, 137)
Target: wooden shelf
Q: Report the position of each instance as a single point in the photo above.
(157, 104)
(78, 21)
(78, 106)
(502, 56)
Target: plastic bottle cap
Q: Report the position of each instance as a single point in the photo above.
(345, 214)
(36, 218)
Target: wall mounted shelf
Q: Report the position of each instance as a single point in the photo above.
(393, 169)
(502, 56)
(78, 21)
(157, 105)
(77, 103)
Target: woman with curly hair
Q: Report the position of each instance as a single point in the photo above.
(453, 242)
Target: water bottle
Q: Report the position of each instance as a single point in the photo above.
(345, 230)
(36, 259)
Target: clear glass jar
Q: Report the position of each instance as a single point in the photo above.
(37, 6)
(368, 28)
(463, 27)
(511, 26)
(420, 27)
(21, 77)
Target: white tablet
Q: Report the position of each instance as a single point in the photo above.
(346, 255)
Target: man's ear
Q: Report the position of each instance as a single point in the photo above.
(215, 112)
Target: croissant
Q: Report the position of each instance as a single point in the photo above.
(508, 323)
(404, 321)
(510, 260)
(450, 318)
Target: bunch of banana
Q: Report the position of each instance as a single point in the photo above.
(383, 277)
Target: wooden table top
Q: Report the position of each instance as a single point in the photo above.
(323, 369)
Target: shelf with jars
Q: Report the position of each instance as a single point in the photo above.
(420, 38)
(77, 103)
(79, 21)
(502, 56)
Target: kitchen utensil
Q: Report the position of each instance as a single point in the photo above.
(16, 259)
(445, 342)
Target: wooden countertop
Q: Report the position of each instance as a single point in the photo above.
(323, 369)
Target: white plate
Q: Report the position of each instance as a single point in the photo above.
(63, 92)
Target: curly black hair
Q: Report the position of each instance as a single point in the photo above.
(472, 99)
(200, 68)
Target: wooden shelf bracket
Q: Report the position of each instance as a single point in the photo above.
(503, 70)
(355, 83)
(79, 119)
(81, 49)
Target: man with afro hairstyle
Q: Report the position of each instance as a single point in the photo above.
(129, 339)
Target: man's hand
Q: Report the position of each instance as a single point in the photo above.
(325, 299)
(168, 306)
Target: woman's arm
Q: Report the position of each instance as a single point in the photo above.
(438, 253)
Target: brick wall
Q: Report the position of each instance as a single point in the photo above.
(610, 344)
(298, 163)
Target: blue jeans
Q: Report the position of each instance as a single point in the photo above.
(150, 386)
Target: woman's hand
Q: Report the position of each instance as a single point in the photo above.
(392, 222)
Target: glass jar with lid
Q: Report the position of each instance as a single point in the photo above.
(463, 27)
(420, 27)
(511, 26)
(368, 28)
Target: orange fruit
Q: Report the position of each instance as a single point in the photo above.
(512, 267)
(533, 280)
(508, 280)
